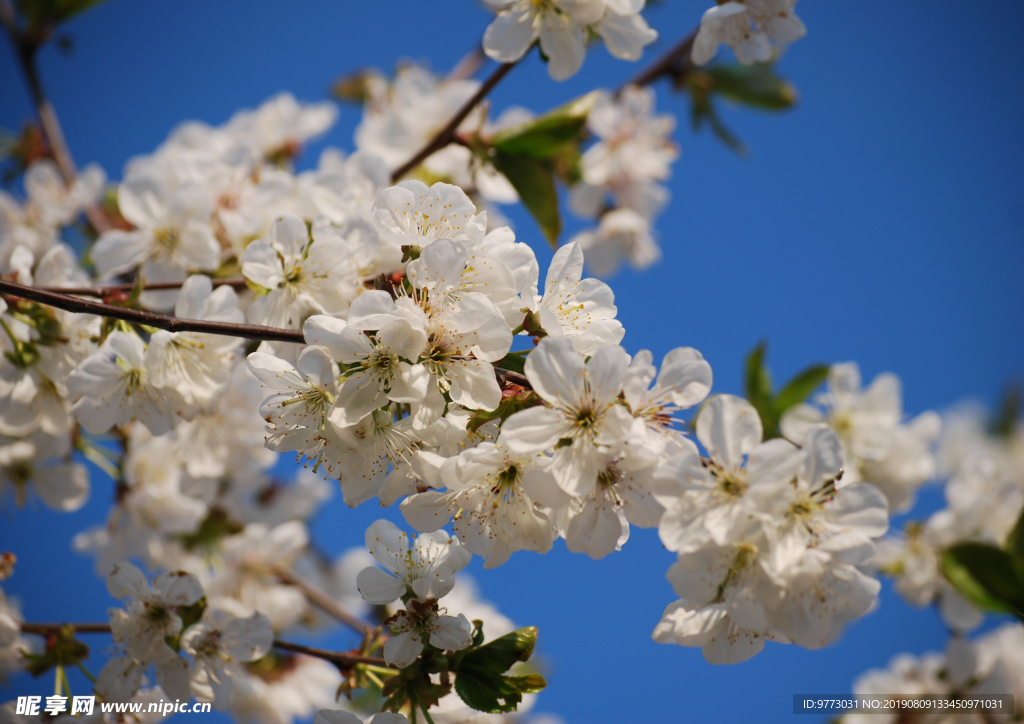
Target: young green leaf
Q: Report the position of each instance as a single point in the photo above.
(535, 184)
(986, 576)
(545, 136)
(1015, 542)
(800, 387)
(753, 85)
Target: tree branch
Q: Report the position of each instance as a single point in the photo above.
(447, 134)
(152, 319)
(343, 658)
(107, 290)
(26, 49)
(324, 600)
(335, 657)
(675, 63)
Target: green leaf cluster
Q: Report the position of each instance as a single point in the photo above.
(990, 577)
(481, 680)
(771, 405)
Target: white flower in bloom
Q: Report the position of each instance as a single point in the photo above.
(197, 365)
(719, 495)
(377, 366)
(720, 587)
(409, 631)
(143, 626)
(822, 512)
(281, 124)
(634, 152)
(172, 235)
(398, 121)
(583, 310)
(913, 559)
(377, 461)
(877, 447)
(491, 497)
(153, 497)
(562, 27)
(427, 568)
(465, 333)
(304, 277)
(684, 380)
(40, 463)
(412, 213)
(149, 616)
(748, 27)
(293, 689)
(115, 385)
(583, 416)
(251, 561)
(296, 413)
(622, 234)
(219, 643)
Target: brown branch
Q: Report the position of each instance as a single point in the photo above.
(443, 137)
(107, 290)
(151, 319)
(26, 48)
(335, 657)
(675, 63)
(324, 600)
(45, 629)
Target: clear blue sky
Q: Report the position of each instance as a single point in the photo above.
(881, 221)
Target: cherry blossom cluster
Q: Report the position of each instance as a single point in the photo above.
(984, 492)
(749, 28)
(991, 665)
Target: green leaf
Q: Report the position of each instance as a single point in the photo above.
(535, 184)
(42, 13)
(514, 362)
(800, 387)
(547, 135)
(1015, 542)
(758, 381)
(529, 684)
(986, 576)
(1005, 422)
(753, 85)
(499, 655)
(486, 691)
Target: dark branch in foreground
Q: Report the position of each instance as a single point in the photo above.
(151, 319)
(101, 292)
(342, 658)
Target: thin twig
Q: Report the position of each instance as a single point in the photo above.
(26, 48)
(152, 319)
(107, 290)
(676, 63)
(446, 134)
(335, 657)
(45, 629)
(324, 600)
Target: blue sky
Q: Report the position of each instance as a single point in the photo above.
(880, 221)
